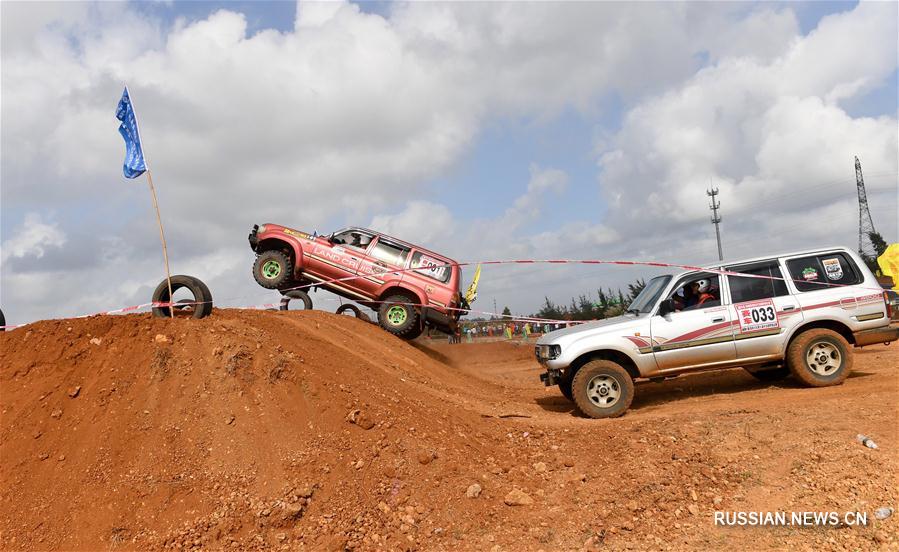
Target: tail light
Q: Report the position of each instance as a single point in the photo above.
(886, 301)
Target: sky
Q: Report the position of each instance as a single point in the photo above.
(480, 130)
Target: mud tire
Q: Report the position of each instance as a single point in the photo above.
(296, 295)
(826, 344)
(396, 315)
(201, 296)
(343, 309)
(2, 322)
(565, 387)
(273, 269)
(595, 382)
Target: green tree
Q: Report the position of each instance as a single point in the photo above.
(506, 311)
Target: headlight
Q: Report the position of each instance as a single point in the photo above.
(261, 228)
(548, 352)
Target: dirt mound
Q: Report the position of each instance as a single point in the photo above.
(260, 430)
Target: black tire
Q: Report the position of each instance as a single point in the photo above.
(565, 387)
(296, 295)
(601, 381)
(201, 296)
(2, 322)
(819, 357)
(351, 309)
(398, 316)
(273, 269)
(769, 374)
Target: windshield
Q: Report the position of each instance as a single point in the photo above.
(650, 294)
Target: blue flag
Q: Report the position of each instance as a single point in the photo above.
(135, 165)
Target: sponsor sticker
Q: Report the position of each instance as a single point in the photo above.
(303, 235)
(431, 267)
(757, 315)
(833, 269)
(809, 274)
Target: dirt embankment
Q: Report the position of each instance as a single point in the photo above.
(304, 430)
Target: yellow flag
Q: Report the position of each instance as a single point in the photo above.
(889, 263)
(472, 293)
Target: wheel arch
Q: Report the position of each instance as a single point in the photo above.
(827, 324)
(616, 356)
(392, 287)
(291, 247)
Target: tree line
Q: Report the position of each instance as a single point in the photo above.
(608, 303)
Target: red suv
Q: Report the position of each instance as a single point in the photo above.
(426, 294)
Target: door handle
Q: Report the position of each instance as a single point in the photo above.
(789, 308)
(718, 319)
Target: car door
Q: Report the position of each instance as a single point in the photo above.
(696, 335)
(340, 260)
(823, 284)
(377, 265)
(763, 308)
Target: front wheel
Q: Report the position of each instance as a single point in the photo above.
(602, 389)
(819, 357)
(398, 315)
(565, 386)
(272, 269)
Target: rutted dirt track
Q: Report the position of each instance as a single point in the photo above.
(305, 430)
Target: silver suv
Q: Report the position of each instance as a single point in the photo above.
(792, 314)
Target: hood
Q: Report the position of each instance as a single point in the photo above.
(553, 337)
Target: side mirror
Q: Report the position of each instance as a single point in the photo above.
(331, 237)
(666, 307)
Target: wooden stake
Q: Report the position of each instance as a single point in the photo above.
(165, 252)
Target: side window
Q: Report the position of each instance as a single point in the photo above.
(750, 289)
(389, 253)
(814, 273)
(697, 291)
(356, 239)
(438, 269)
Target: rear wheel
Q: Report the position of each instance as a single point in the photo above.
(819, 357)
(272, 269)
(2, 322)
(602, 389)
(398, 315)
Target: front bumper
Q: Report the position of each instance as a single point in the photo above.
(551, 377)
(254, 237)
(885, 334)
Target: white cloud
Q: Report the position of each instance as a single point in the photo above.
(347, 116)
(32, 239)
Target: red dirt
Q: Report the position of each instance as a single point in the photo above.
(233, 432)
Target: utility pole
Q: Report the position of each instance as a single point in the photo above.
(494, 307)
(865, 224)
(716, 218)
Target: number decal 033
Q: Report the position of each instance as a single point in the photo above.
(757, 315)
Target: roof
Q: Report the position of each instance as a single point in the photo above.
(751, 260)
(403, 242)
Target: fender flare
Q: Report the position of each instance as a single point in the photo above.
(270, 241)
(419, 293)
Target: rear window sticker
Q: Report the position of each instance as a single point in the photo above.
(809, 274)
(833, 269)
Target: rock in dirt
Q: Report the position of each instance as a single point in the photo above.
(96, 341)
(517, 497)
(474, 491)
(73, 392)
(56, 414)
(160, 338)
(540, 467)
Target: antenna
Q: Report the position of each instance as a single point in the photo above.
(716, 218)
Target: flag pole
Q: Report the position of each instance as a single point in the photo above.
(165, 252)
